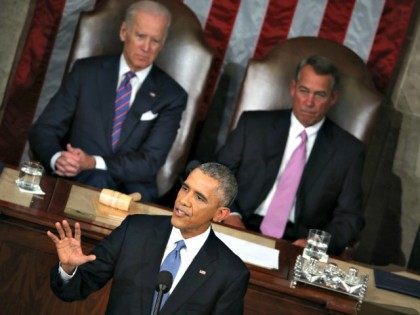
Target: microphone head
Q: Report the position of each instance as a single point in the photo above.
(164, 281)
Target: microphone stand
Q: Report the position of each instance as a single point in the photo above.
(156, 309)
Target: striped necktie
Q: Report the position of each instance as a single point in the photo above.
(122, 105)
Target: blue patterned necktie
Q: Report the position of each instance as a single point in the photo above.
(122, 105)
(171, 264)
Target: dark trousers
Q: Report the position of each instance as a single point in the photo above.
(253, 223)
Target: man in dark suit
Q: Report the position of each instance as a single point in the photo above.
(211, 279)
(85, 135)
(328, 194)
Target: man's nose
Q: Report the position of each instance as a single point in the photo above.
(186, 199)
(310, 99)
(146, 44)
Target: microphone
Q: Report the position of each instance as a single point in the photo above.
(164, 284)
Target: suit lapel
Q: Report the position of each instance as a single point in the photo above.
(274, 147)
(146, 96)
(107, 79)
(150, 263)
(320, 156)
(200, 271)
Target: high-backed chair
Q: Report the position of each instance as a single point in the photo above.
(185, 57)
(266, 84)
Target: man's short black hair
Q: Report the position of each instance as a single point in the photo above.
(228, 186)
(321, 65)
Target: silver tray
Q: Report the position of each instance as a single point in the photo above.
(330, 277)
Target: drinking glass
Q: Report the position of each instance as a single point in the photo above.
(30, 174)
(317, 245)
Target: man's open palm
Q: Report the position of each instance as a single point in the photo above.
(69, 248)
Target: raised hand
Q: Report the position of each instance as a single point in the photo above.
(69, 248)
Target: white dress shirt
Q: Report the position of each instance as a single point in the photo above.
(293, 141)
(136, 83)
(188, 253)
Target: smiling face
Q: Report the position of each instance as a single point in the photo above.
(143, 38)
(312, 96)
(197, 204)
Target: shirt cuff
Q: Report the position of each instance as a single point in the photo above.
(100, 163)
(64, 275)
(54, 159)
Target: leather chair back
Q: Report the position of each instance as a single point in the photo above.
(185, 57)
(266, 84)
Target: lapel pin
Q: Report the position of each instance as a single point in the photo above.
(202, 272)
(152, 94)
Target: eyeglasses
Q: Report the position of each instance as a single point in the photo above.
(318, 96)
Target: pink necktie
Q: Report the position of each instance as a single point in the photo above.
(278, 212)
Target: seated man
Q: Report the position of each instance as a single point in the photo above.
(208, 278)
(114, 119)
(296, 169)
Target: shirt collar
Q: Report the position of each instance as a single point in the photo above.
(296, 127)
(124, 68)
(193, 242)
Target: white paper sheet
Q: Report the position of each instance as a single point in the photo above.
(252, 253)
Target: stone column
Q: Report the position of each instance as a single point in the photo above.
(406, 99)
(13, 23)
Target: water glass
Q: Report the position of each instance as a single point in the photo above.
(30, 174)
(317, 245)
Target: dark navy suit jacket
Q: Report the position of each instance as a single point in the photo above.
(81, 113)
(329, 196)
(214, 283)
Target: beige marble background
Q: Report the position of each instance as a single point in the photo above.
(406, 99)
(13, 15)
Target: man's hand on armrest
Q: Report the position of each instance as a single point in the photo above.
(234, 220)
(300, 242)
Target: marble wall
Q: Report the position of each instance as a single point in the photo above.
(406, 99)
(13, 15)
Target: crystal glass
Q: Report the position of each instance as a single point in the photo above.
(30, 174)
(317, 245)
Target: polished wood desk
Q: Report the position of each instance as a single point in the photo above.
(27, 255)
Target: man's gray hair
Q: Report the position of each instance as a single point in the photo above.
(322, 66)
(147, 6)
(228, 187)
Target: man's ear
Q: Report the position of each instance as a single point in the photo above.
(292, 87)
(221, 214)
(334, 98)
(123, 31)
